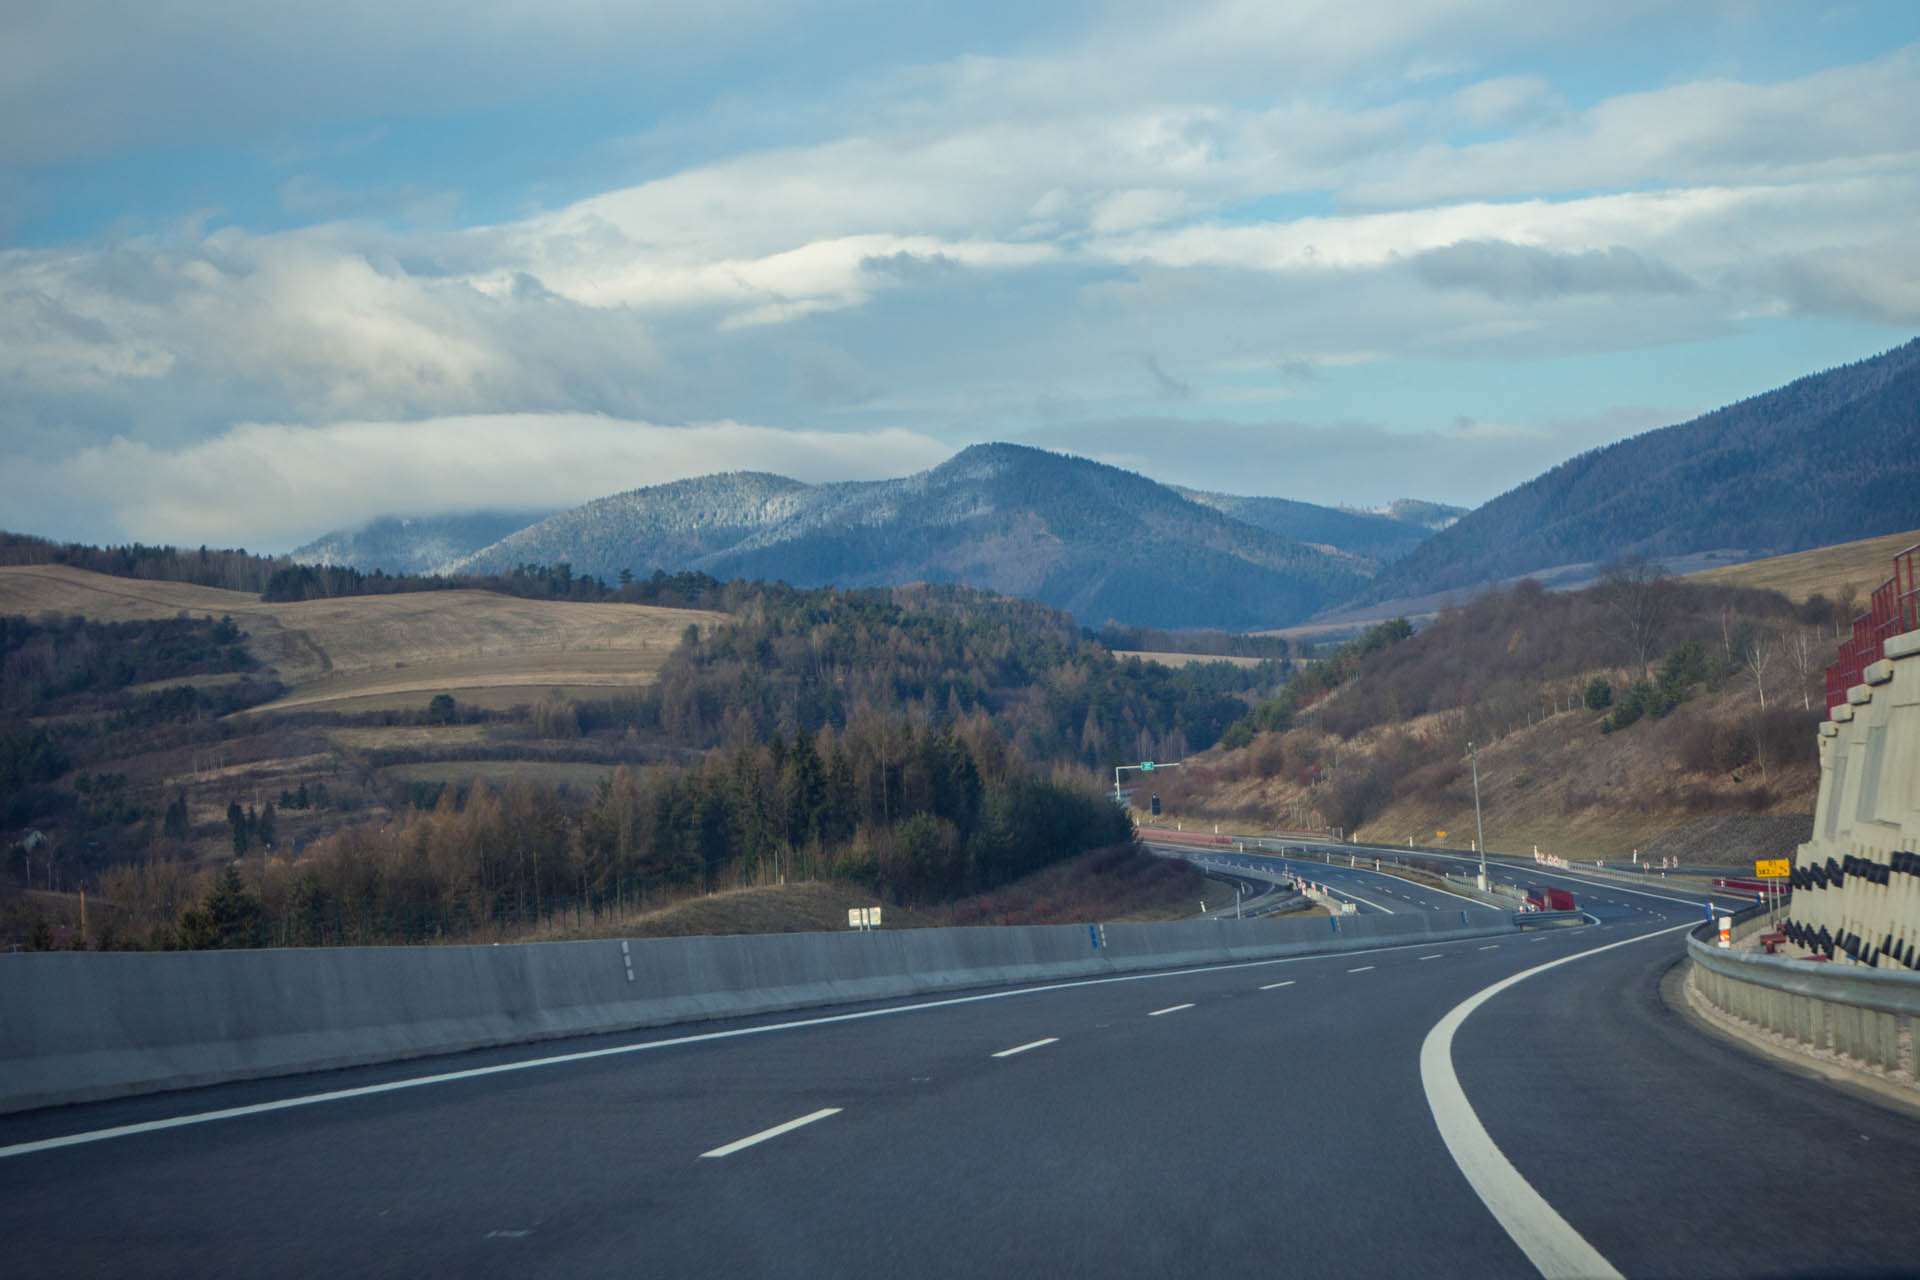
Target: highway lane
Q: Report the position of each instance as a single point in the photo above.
(1371, 891)
(1234, 1120)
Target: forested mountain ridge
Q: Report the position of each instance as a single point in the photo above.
(668, 526)
(1431, 516)
(1098, 541)
(1829, 458)
(1377, 536)
(399, 544)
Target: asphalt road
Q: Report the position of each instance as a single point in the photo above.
(1261, 1119)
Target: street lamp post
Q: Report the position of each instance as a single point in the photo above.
(1480, 830)
(1145, 766)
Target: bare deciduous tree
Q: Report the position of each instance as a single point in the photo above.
(1763, 653)
(1846, 603)
(1806, 655)
(1637, 595)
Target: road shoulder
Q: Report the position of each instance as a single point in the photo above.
(1680, 995)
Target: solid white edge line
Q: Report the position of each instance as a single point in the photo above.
(1549, 1242)
(614, 1051)
(753, 1138)
(1271, 985)
(1348, 893)
(1022, 1048)
(1550, 874)
(1172, 1008)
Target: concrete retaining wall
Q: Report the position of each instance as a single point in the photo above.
(83, 1025)
(1856, 883)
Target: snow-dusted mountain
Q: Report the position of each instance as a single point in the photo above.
(1102, 542)
(397, 544)
(1382, 535)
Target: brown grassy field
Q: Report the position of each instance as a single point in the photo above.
(378, 652)
(1827, 571)
(1182, 659)
(407, 737)
(574, 773)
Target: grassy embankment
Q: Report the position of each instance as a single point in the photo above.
(1108, 886)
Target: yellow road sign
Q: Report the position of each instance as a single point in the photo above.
(1440, 835)
(1773, 868)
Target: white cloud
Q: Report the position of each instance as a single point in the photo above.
(272, 486)
(1846, 120)
(1503, 100)
(1154, 201)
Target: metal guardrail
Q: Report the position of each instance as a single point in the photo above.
(1859, 1013)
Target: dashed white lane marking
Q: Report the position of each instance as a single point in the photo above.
(1494, 947)
(1271, 985)
(1549, 1242)
(1031, 1044)
(619, 1050)
(1435, 956)
(1362, 969)
(753, 1138)
(1172, 1008)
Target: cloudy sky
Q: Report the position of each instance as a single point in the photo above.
(273, 269)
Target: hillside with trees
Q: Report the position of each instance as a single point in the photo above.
(397, 545)
(1379, 536)
(919, 742)
(1826, 459)
(1602, 718)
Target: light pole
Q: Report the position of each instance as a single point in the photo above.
(1145, 766)
(1480, 831)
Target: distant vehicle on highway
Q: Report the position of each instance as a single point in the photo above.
(1542, 898)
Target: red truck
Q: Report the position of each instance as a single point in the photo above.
(1542, 898)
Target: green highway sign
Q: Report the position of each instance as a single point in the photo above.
(1147, 765)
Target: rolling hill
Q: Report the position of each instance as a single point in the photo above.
(362, 653)
(1829, 458)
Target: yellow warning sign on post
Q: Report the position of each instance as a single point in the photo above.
(1773, 868)
(1440, 835)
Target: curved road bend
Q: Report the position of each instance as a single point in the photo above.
(1252, 1120)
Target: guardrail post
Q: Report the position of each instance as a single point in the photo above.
(1889, 1028)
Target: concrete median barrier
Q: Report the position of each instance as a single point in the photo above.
(83, 1025)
